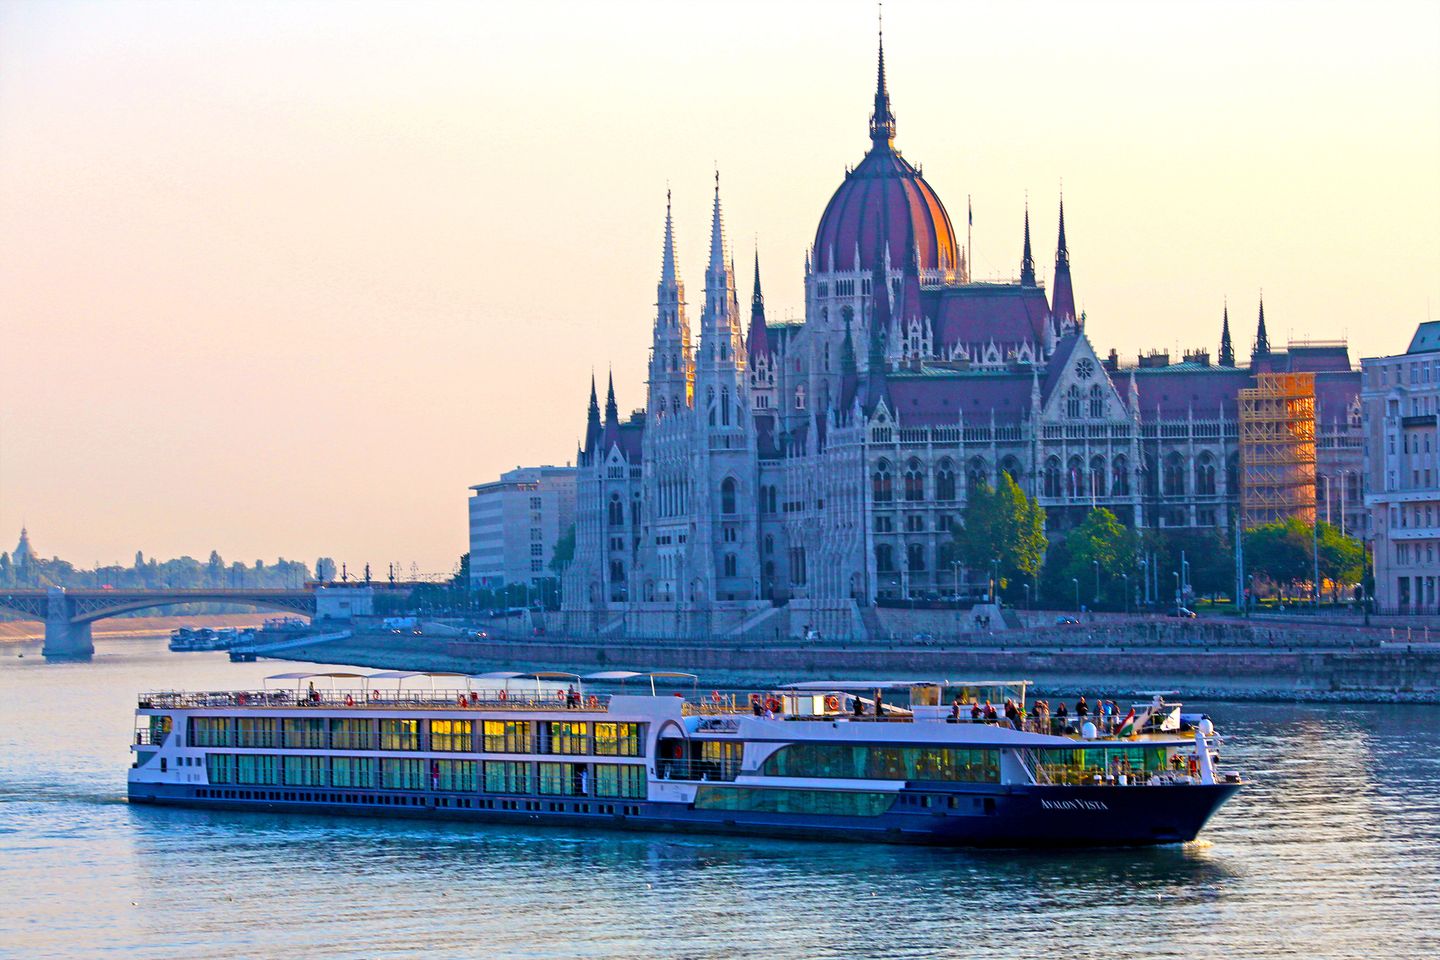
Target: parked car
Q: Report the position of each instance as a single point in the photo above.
(1066, 620)
(924, 638)
(1182, 612)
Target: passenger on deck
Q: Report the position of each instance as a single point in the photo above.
(857, 706)
(1062, 717)
(879, 705)
(975, 713)
(1082, 710)
(955, 711)
(990, 712)
(314, 694)
(755, 706)
(572, 699)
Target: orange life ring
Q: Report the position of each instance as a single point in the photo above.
(560, 695)
(349, 700)
(503, 696)
(772, 705)
(374, 694)
(832, 702)
(460, 700)
(715, 697)
(594, 702)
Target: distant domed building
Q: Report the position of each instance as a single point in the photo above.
(791, 475)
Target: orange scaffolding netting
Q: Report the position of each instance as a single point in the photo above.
(1277, 449)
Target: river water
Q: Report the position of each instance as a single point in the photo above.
(1333, 851)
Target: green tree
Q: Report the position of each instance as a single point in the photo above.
(1280, 552)
(1342, 558)
(1001, 525)
(564, 551)
(1100, 549)
(1208, 552)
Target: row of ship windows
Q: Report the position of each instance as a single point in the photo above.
(582, 738)
(609, 780)
(454, 803)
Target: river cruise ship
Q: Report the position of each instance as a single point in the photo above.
(915, 761)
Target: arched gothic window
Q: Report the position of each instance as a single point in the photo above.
(727, 495)
(1072, 402)
(1097, 476)
(1051, 485)
(1011, 466)
(1097, 401)
(884, 489)
(914, 481)
(977, 473)
(1174, 479)
(1205, 475)
(800, 397)
(730, 565)
(617, 511)
(725, 406)
(1232, 475)
(945, 481)
(1120, 476)
(1075, 479)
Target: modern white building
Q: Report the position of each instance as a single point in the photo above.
(515, 523)
(1401, 400)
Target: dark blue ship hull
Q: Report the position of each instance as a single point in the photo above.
(1021, 816)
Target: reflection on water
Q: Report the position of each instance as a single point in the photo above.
(1330, 852)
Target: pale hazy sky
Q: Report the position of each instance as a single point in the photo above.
(286, 278)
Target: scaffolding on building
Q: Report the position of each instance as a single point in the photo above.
(1277, 449)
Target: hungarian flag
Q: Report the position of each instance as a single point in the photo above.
(1132, 724)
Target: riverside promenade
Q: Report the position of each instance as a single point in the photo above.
(1221, 658)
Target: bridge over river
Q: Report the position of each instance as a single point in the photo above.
(68, 614)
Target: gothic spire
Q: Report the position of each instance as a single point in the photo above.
(1027, 259)
(612, 414)
(592, 418)
(668, 275)
(882, 121)
(717, 233)
(1227, 349)
(758, 340)
(1262, 338)
(1062, 302)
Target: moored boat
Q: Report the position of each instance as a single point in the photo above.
(915, 761)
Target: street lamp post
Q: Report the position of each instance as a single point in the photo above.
(1076, 581)
(1177, 588)
(1097, 581)
(1126, 600)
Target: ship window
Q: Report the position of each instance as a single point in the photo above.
(306, 733)
(563, 779)
(354, 772)
(508, 776)
(306, 771)
(617, 740)
(257, 732)
(620, 780)
(1083, 764)
(507, 736)
(257, 769)
(399, 734)
(831, 760)
(402, 773)
(352, 734)
(567, 736)
(842, 803)
(211, 731)
(456, 736)
(457, 775)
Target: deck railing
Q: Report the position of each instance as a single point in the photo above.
(720, 770)
(372, 699)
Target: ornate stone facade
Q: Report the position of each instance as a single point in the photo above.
(820, 466)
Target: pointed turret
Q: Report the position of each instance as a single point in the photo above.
(1062, 303)
(1027, 259)
(882, 121)
(612, 413)
(671, 362)
(758, 340)
(721, 344)
(880, 323)
(1227, 349)
(1262, 337)
(592, 419)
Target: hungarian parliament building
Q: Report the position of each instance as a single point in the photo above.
(820, 466)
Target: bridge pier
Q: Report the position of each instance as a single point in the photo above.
(65, 640)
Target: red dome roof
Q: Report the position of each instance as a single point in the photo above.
(885, 201)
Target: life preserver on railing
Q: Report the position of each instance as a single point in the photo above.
(560, 695)
(832, 702)
(374, 694)
(240, 698)
(772, 705)
(715, 697)
(503, 696)
(594, 701)
(349, 700)
(1194, 766)
(460, 700)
